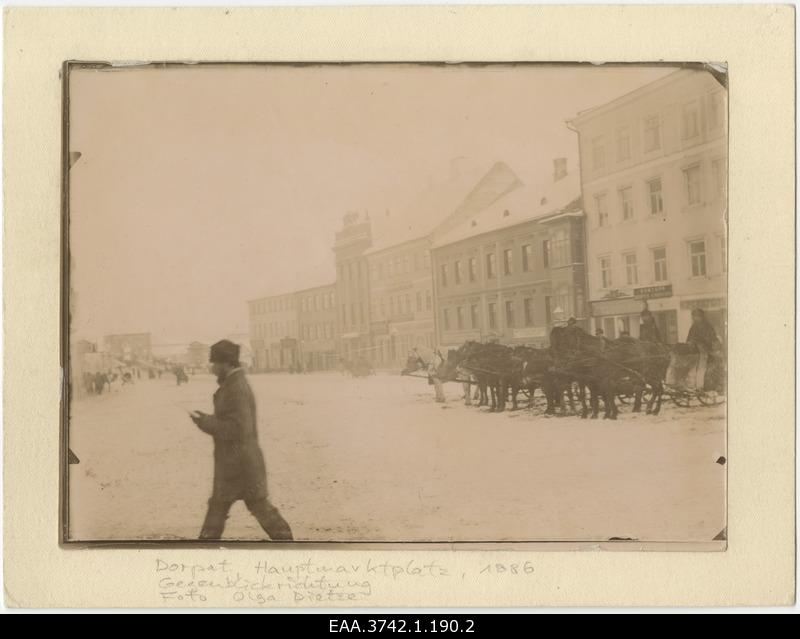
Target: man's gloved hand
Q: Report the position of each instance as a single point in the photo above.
(198, 417)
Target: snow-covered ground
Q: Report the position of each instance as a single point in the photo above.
(376, 459)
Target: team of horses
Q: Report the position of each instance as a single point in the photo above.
(575, 367)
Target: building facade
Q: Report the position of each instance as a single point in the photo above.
(514, 270)
(316, 311)
(129, 348)
(352, 287)
(654, 178)
(274, 332)
(401, 301)
(197, 356)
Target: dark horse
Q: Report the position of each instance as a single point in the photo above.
(494, 367)
(606, 366)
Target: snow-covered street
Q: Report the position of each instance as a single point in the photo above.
(377, 459)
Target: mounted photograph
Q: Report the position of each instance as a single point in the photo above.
(395, 303)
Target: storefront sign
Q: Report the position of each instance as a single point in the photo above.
(651, 292)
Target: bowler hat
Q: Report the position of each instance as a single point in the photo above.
(224, 352)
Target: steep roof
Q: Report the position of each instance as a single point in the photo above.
(523, 203)
(442, 204)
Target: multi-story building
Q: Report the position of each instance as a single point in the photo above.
(316, 311)
(197, 355)
(399, 260)
(654, 176)
(352, 286)
(129, 348)
(511, 271)
(274, 332)
(401, 300)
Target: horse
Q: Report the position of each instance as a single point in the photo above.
(605, 365)
(577, 358)
(536, 372)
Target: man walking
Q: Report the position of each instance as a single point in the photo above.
(239, 469)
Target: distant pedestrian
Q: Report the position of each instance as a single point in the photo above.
(239, 468)
(99, 383)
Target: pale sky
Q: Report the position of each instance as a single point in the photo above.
(199, 188)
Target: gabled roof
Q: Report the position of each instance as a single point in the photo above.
(524, 203)
(442, 203)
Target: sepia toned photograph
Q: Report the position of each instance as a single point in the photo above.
(395, 303)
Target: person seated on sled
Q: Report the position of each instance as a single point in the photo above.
(704, 337)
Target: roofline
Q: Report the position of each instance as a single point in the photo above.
(539, 220)
(300, 290)
(375, 251)
(590, 114)
(550, 217)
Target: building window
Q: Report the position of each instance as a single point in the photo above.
(690, 122)
(623, 144)
(407, 263)
(548, 314)
(528, 303)
(660, 264)
(626, 203)
(605, 272)
(652, 134)
(460, 317)
(716, 113)
(428, 301)
(457, 272)
(510, 314)
(427, 259)
(490, 265)
(563, 301)
(693, 184)
(697, 251)
(546, 253)
(474, 319)
(508, 258)
(473, 269)
(558, 253)
(631, 270)
(408, 304)
(492, 309)
(527, 257)
(602, 211)
(446, 316)
(656, 201)
(419, 301)
(598, 154)
(444, 274)
(720, 176)
(383, 307)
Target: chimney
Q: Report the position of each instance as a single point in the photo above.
(559, 169)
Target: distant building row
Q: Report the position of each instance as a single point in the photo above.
(496, 259)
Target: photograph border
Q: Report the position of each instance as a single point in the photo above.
(717, 544)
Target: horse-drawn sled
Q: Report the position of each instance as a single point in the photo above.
(577, 367)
